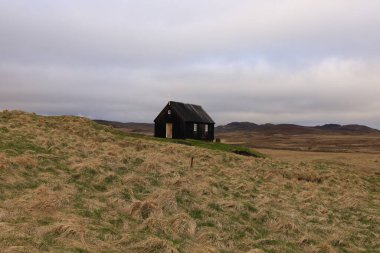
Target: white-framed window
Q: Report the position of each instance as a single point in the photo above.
(195, 127)
(206, 128)
(169, 112)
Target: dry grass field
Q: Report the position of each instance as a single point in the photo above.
(368, 162)
(321, 142)
(68, 184)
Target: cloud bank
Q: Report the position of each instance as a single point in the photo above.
(306, 62)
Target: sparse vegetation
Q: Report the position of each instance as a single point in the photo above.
(70, 185)
(233, 148)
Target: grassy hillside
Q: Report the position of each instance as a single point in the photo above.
(70, 185)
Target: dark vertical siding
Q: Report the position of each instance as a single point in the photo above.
(159, 130)
(200, 134)
(210, 135)
(160, 124)
(189, 133)
(178, 127)
(164, 117)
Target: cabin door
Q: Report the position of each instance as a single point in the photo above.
(169, 130)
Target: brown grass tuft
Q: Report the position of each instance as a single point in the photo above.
(201, 248)
(209, 236)
(145, 209)
(255, 251)
(3, 161)
(67, 230)
(46, 200)
(232, 205)
(157, 225)
(324, 248)
(183, 225)
(154, 245)
(281, 226)
(167, 201)
(135, 181)
(25, 161)
(19, 249)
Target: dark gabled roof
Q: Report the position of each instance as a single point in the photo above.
(191, 113)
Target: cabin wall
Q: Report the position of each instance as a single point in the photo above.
(163, 118)
(181, 129)
(200, 134)
(211, 135)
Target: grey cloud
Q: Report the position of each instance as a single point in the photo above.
(140, 31)
(265, 61)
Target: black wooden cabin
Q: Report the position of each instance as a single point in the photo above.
(184, 121)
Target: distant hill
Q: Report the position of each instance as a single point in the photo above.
(142, 128)
(352, 128)
(294, 129)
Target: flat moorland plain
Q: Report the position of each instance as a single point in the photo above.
(348, 142)
(68, 184)
(368, 162)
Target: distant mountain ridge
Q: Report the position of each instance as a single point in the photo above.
(148, 128)
(351, 127)
(294, 129)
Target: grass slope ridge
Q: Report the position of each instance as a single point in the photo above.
(237, 149)
(70, 185)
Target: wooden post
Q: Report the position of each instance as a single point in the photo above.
(191, 162)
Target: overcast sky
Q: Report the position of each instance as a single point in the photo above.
(281, 61)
